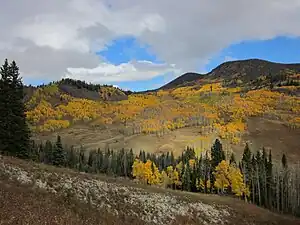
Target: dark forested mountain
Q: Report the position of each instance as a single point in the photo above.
(243, 70)
(183, 80)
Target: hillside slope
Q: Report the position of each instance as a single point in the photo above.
(78, 198)
(185, 79)
(243, 70)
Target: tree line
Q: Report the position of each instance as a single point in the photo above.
(255, 178)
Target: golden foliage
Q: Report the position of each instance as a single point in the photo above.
(226, 176)
(52, 125)
(160, 112)
(147, 173)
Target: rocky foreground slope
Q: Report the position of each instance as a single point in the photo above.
(39, 194)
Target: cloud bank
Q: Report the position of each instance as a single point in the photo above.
(55, 39)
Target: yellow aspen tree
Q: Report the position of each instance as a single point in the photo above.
(156, 175)
(221, 175)
(138, 170)
(147, 172)
(238, 186)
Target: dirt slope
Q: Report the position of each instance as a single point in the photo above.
(39, 194)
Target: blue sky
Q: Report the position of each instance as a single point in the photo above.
(123, 50)
(126, 49)
(96, 41)
(281, 49)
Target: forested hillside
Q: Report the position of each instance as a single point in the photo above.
(215, 109)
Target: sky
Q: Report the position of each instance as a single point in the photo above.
(141, 45)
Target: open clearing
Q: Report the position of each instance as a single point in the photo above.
(261, 132)
(90, 138)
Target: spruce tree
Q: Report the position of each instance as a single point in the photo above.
(217, 153)
(58, 153)
(130, 160)
(20, 129)
(82, 161)
(48, 158)
(14, 131)
(284, 161)
(5, 110)
(91, 162)
(246, 164)
(186, 185)
(72, 158)
(99, 160)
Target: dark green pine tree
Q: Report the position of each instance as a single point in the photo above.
(217, 153)
(58, 153)
(72, 158)
(284, 161)
(99, 161)
(247, 163)
(91, 162)
(41, 153)
(104, 167)
(5, 110)
(14, 131)
(120, 162)
(208, 176)
(130, 160)
(34, 153)
(114, 165)
(194, 177)
(82, 165)
(20, 129)
(48, 152)
(125, 164)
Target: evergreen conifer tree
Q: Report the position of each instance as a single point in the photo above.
(5, 110)
(48, 159)
(246, 164)
(284, 161)
(20, 129)
(14, 131)
(58, 153)
(187, 178)
(217, 153)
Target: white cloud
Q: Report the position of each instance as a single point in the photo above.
(134, 70)
(229, 58)
(52, 38)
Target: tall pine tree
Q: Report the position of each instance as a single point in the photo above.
(14, 131)
(58, 153)
(217, 153)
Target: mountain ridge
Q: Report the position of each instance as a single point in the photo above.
(248, 70)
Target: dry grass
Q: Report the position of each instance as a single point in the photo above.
(39, 194)
(261, 132)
